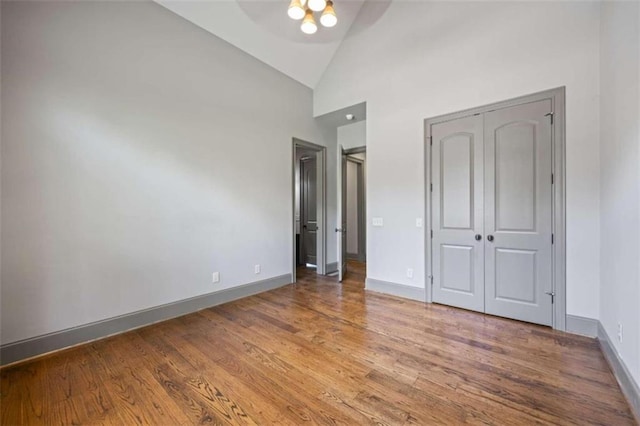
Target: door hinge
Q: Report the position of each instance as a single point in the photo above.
(431, 187)
(550, 114)
(432, 233)
(431, 278)
(552, 179)
(552, 239)
(553, 296)
(430, 140)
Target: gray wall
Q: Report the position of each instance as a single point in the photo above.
(139, 154)
(620, 178)
(353, 135)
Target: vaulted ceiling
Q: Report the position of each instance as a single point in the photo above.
(262, 29)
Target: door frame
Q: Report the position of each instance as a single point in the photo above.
(321, 183)
(558, 205)
(361, 202)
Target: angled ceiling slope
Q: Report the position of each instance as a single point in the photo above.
(262, 29)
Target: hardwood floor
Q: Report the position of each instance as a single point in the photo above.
(320, 352)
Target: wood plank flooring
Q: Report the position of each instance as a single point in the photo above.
(321, 353)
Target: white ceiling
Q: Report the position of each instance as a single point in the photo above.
(262, 29)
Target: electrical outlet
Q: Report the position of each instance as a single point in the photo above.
(256, 269)
(409, 273)
(216, 277)
(377, 221)
(620, 332)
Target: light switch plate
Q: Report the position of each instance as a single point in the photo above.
(419, 222)
(377, 221)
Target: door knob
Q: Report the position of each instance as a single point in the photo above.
(490, 237)
(338, 230)
(478, 237)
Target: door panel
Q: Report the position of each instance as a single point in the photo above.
(515, 275)
(515, 177)
(308, 211)
(456, 268)
(457, 213)
(518, 210)
(456, 159)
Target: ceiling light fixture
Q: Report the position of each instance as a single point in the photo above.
(295, 10)
(308, 23)
(317, 5)
(329, 18)
(304, 9)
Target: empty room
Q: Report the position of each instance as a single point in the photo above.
(319, 212)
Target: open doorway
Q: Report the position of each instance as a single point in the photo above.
(343, 129)
(353, 229)
(352, 211)
(309, 208)
(356, 215)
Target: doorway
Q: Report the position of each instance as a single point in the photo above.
(356, 235)
(495, 192)
(352, 218)
(309, 207)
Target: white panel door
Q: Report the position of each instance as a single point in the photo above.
(518, 212)
(457, 213)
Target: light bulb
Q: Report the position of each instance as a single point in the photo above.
(329, 18)
(308, 23)
(295, 10)
(316, 5)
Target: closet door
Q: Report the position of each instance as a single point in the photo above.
(518, 212)
(457, 213)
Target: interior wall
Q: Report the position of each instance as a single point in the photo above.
(139, 155)
(353, 135)
(433, 58)
(620, 178)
